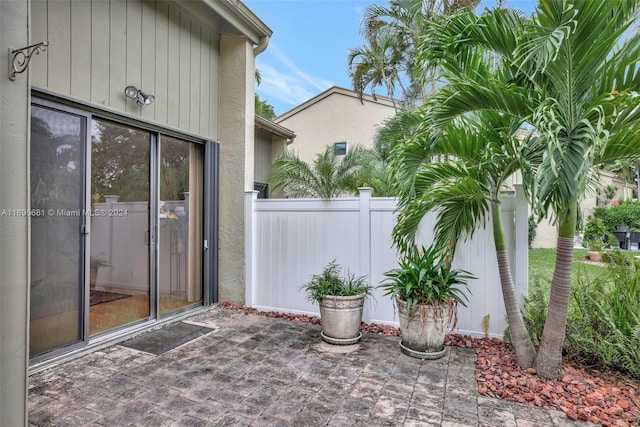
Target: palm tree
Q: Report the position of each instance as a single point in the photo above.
(263, 108)
(477, 153)
(404, 124)
(375, 66)
(588, 116)
(391, 36)
(577, 84)
(329, 175)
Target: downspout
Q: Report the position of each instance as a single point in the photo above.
(261, 46)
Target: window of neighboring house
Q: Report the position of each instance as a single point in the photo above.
(340, 148)
(262, 188)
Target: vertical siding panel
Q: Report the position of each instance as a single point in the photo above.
(196, 90)
(100, 52)
(161, 61)
(81, 49)
(148, 71)
(184, 60)
(117, 54)
(173, 69)
(133, 72)
(205, 98)
(40, 64)
(59, 72)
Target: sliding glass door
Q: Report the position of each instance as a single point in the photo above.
(180, 244)
(117, 226)
(57, 244)
(120, 291)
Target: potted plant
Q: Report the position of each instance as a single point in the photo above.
(427, 292)
(341, 300)
(595, 246)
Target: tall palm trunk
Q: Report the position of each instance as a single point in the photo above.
(525, 352)
(549, 359)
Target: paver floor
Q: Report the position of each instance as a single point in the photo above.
(252, 370)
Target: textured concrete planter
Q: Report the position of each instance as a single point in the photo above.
(423, 329)
(341, 318)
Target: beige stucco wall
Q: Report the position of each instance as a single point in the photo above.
(14, 237)
(336, 118)
(237, 73)
(98, 48)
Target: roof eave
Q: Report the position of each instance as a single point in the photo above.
(274, 128)
(241, 18)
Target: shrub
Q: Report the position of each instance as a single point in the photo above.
(597, 235)
(536, 313)
(626, 213)
(603, 326)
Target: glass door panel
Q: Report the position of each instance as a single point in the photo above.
(180, 231)
(57, 177)
(119, 249)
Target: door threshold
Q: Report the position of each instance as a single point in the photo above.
(108, 339)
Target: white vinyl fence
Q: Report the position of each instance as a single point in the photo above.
(289, 240)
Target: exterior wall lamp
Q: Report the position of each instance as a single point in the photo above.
(140, 97)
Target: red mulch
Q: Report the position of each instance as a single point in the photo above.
(583, 393)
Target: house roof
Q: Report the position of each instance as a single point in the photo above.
(274, 128)
(384, 100)
(231, 17)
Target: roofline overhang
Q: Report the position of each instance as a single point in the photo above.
(274, 128)
(378, 99)
(241, 18)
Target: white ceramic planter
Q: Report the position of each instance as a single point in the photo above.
(341, 319)
(424, 328)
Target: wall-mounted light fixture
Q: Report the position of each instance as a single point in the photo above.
(140, 97)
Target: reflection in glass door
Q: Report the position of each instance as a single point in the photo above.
(180, 230)
(119, 248)
(57, 177)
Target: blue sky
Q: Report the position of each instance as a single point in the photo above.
(307, 53)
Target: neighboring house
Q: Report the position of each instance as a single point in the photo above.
(271, 140)
(337, 117)
(126, 149)
(547, 233)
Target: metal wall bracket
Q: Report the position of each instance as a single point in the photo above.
(19, 58)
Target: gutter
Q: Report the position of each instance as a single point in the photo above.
(261, 46)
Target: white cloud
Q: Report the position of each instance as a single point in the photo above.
(284, 81)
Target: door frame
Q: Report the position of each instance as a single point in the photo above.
(210, 224)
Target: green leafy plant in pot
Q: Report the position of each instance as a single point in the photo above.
(341, 300)
(427, 292)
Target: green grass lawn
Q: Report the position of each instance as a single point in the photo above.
(543, 261)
